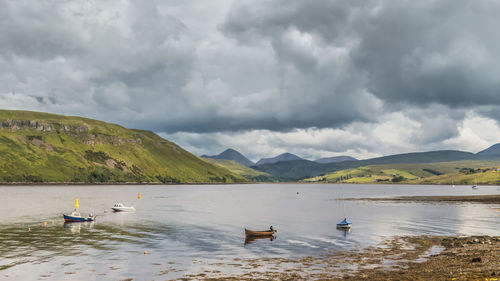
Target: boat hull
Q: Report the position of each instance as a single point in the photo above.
(259, 233)
(123, 209)
(344, 226)
(68, 218)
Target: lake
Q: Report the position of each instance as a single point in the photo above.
(183, 228)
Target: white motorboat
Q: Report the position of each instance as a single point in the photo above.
(119, 207)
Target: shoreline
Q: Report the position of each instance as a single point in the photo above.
(484, 199)
(222, 183)
(397, 258)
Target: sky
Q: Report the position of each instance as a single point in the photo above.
(316, 78)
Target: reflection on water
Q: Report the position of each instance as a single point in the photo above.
(252, 239)
(76, 227)
(176, 225)
(344, 231)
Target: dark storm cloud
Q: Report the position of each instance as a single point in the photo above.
(415, 52)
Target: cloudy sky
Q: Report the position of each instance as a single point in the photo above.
(316, 78)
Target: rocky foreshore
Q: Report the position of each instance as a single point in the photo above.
(398, 258)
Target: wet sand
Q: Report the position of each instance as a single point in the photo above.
(486, 199)
(399, 258)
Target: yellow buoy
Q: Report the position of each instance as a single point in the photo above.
(138, 196)
(76, 203)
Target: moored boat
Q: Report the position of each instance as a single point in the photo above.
(76, 217)
(260, 233)
(119, 207)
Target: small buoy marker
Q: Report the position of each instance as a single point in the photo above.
(145, 252)
(138, 196)
(53, 222)
(44, 223)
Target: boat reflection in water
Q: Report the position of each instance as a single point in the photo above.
(253, 239)
(344, 231)
(75, 227)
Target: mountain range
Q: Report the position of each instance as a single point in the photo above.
(301, 169)
(290, 167)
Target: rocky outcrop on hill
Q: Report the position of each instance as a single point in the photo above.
(15, 125)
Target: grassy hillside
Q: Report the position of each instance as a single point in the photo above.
(461, 172)
(241, 170)
(41, 147)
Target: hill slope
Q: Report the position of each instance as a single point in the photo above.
(492, 150)
(335, 159)
(458, 172)
(231, 154)
(280, 158)
(41, 147)
(241, 170)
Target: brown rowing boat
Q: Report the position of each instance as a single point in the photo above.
(259, 233)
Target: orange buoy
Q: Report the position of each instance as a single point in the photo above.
(44, 223)
(145, 252)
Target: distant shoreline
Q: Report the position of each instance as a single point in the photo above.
(485, 199)
(222, 183)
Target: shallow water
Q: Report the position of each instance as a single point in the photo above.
(182, 228)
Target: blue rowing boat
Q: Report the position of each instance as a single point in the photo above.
(344, 224)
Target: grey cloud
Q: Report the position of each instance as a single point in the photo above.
(414, 52)
(278, 65)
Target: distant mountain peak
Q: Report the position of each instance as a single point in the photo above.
(232, 154)
(335, 159)
(280, 158)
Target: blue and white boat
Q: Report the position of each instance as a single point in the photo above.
(76, 217)
(344, 224)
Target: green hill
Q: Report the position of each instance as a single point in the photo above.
(241, 170)
(41, 147)
(458, 172)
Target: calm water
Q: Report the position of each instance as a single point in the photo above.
(179, 226)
